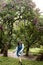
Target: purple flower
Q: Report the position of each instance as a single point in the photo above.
(35, 21)
(1, 27)
(3, 4)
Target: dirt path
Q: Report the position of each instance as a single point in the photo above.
(30, 57)
(11, 54)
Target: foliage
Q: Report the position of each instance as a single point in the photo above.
(19, 20)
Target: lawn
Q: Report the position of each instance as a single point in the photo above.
(12, 61)
(36, 51)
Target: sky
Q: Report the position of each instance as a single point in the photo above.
(39, 4)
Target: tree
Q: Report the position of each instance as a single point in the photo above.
(18, 10)
(8, 20)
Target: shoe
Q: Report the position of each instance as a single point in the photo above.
(20, 63)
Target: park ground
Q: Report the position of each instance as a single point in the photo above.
(12, 60)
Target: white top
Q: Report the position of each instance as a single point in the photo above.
(21, 51)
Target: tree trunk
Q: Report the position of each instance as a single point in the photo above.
(5, 52)
(2, 49)
(27, 49)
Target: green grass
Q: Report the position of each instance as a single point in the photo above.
(12, 61)
(11, 50)
(36, 51)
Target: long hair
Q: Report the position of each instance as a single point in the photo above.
(19, 43)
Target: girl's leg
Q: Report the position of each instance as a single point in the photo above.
(20, 60)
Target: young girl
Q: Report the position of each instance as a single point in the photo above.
(19, 51)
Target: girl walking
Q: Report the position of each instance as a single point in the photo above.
(19, 51)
